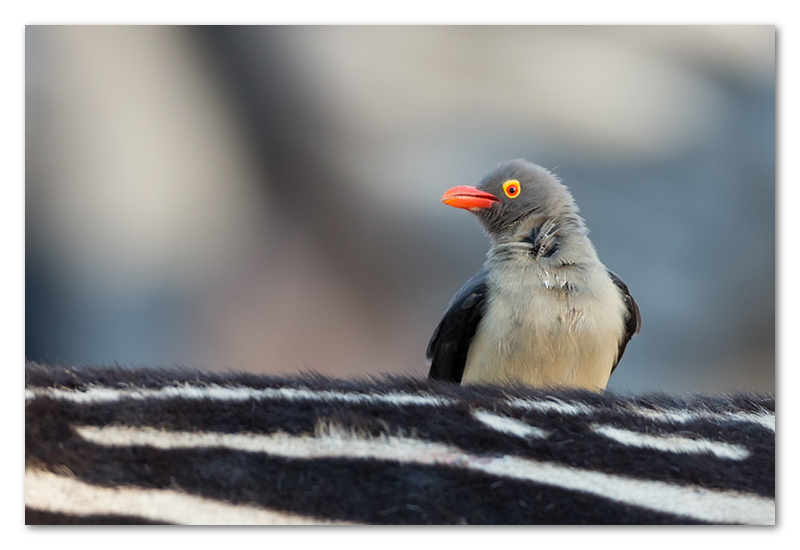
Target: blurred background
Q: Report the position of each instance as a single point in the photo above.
(267, 198)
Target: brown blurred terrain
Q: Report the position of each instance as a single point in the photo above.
(267, 198)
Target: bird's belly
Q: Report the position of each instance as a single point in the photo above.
(554, 339)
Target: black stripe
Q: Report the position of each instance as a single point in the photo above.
(41, 517)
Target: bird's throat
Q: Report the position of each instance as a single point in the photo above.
(544, 239)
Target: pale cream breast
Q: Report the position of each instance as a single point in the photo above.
(545, 328)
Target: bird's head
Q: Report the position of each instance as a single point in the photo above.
(516, 196)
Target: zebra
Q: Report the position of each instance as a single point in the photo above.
(112, 445)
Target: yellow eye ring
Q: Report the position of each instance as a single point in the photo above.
(511, 188)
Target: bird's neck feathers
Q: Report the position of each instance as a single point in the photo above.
(555, 235)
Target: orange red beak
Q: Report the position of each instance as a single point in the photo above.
(468, 198)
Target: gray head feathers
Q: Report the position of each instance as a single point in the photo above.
(542, 202)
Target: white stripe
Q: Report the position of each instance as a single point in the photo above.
(680, 416)
(550, 405)
(222, 393)
(507, 425)
(49, 492)
(765, 418)
(672, 443)
(695, 502)
(331, 445)
(709, 505)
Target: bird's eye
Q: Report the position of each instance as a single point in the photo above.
(511, 187)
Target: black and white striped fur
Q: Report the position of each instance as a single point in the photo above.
(155, 446)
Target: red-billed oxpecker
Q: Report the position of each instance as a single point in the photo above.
(543, 310)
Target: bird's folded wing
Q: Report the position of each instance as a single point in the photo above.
(447, 350)
(633, 321)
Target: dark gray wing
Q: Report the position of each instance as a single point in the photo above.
(447, 350)
(633, 320)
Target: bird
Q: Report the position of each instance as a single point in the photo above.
(543, 310)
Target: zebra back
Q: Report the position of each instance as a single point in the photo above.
(179, 446)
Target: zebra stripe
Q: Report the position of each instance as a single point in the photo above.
(220, 393)
(673, 443)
